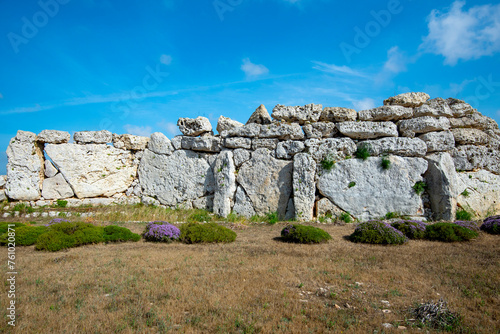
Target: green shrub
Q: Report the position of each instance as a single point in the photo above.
(328, 162)
(199, 216)
(21, 207)
(363, 151)
(113, 233)
(61, 204)
(304, 234)
(419, 187)
(449, 232)
(412, 229)
(89, 235)
(54, 241)
(25, 235)
(463, 215)
(4, 227)
(386, 163)
(345, 217)
(272, 218)
(205, 233)
(377, 232)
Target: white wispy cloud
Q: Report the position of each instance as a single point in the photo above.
(363, 104)
(171, 128)
(253, 70)
(166, 59)
(396, 61)
(463, 34)
(138, 130)
(335, 69)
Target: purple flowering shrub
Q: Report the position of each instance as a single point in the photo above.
(304, 234)
(377, 232)
(491, 225)
(161, 231)
(471, 225)
(412, 229)
(56, 221)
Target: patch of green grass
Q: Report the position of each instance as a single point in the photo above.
(199, 216)
(419, 187)
(363, 152)
(61, 204)
(463, 214)
(272, 218)
(345, 217)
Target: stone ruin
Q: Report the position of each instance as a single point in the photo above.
(273, 163)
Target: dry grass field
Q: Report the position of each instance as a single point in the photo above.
(255, 285)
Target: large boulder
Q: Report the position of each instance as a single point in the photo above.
(308, 113)
(443, 186)
(410, 100)
(50, 170)
(53, 137)
(225, 183)
(207, 143)
(225, 124)
(338, 114)
(438, 141)
(160, 144)
(238, 142)
(269, 143)
(386, 113)
(368, 130)
(240, 156)
(424, 124)
(282, 131)
(24, 168)
(287, 149)
(249, 130)
(194, 126)
(407, 147)
(242, 204)
(335, 148)
(93, 170)
(474, 120)
(470, 136)
(459, 108)
(470, 157)
(376, 191)
(482, 196)
(320, 130)
(93, 137)
(267, 182)
(56, 188)
(180, 177)
(304, 186)
(260, 116)
(3, 180)
(435, 107)
(130, 142)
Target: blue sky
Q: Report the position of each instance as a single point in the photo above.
(136, 67)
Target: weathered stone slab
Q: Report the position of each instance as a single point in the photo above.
(368, 130)
(225, 183)
(443, 186)
(238, 142)
(53, 137)
(308, 113)
(320, 130)
(269, 143)
(474, 120)
(249, 130)
(240, 156)
(243, 205)
(483, 193)
(438, 141)
(465, 136)
(177, 178)
(160, 144)
(56, 188)
(459, 108)
(410, 100)
(386, 113)
(3, 180)
(3, 197)
(338, 114)
(93, 137)
(204, 203)
(194, 126)
(304, 186)
(470, 157)
(204, 144)
(325, 207)
(267, 182)
(287, 149)
(377, 191)
(93, 170)
(130, 142)
(424, 124)
(338, 148)
(24, 168)
(225, 124)
(260, 116)
(50, 170)
(435, 107)
(282, 131)
(407, 147)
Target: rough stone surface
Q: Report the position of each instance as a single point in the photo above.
(204, 203)
(238, 142)
(368, 130)
(269, 143)
(470, 137)
(459, 108)
(249, 130)
(435, 107)
(299, 114)
(267, 182)
(386, 113)
(240, 156)
(407, 147)
(410, 100)
(282, 131)
(304, 186)
(470, 157)
(204, 144)
(50, 170)
(93, 169)
(56, 188)
(474, 120)
(483, 190)
(287, 149)
(377, 191)
(24, 168)
(130, 142)
(443, 186)
(93, 137)
(3, 180)
(290, 210)
(225, 124)
(338, 148)
(225, 183)
(242, 204)
(147, 200)
(438, 141)
(177, 178)
(194, 126)
(53, 137)
(260, 116)
(325, 207)
(424, 124)
(160, 144)
(177, 142)
(320, 130)
(338, 114)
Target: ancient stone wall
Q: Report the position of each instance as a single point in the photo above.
(299, 162)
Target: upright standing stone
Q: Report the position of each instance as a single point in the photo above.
(56, 188)
(304, 186)
(225, 183)
(242, 204)
(260, 116)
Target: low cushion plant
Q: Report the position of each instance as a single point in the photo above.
(491, 225)
(377, 232)
(54, 241)
(412, 229)
(161, 231)
(25, 235)
(304, 234)
(113, 233)
(205, 233)
(471, 225)
(4, 227)
(449, 232)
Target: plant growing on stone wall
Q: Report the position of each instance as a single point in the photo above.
(391, 215)
(491, 225)
(328, 163)
(377, 232)
(363, 151)
(463, 214)
(351, 184)
(419, 187)
(61, 204)
(465, 193)
(385, 163)
(304, 234)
